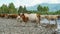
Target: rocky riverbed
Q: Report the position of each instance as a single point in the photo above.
(11, 26)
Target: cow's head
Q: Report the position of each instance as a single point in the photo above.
(24, 18)
(22, 15)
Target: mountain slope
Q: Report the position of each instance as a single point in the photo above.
(52, 7)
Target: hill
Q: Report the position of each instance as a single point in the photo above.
(52, 7)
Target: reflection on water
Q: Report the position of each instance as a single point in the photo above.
(58, 22)
(52, 22)
(46, 21)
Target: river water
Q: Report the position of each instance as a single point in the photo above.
(53, 22)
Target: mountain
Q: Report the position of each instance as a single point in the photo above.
(52, 7)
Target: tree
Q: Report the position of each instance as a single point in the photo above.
(40, 8)
(0, 10)
(57, 12)
(4, 8)
(45, 9)
(24, 9)
(20, 9)
(12, 9)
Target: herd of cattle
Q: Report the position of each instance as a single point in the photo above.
(26, 17)
(30, 17)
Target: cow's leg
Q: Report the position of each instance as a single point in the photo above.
(26, 20)
(55, 23)
(49, 20)
(18, 20)
(37, 23)
(24, 23)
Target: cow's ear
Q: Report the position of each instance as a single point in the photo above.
(23, 14)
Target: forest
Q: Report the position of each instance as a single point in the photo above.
(10, 9)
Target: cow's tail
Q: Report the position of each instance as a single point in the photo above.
(38, 15)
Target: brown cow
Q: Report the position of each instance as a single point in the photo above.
(58, 17)
(12, 15)
(3, 15)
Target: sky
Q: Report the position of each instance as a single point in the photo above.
(27, 3)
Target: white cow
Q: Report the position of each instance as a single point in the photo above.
(30, 17)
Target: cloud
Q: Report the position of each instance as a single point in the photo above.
(26, 2)
(33, 2)
(18, 3)
(54, 1)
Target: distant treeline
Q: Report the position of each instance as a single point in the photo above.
(10, 9)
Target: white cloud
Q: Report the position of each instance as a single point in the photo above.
(33, 2)
(26, 2)
(54, 1)
(17, 3)
(50, 1)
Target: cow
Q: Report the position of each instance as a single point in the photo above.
(58, 16)
(19, 18)
(52, 17)
(42, 16)
(3, 15)
(30, 17)
(12, 16)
